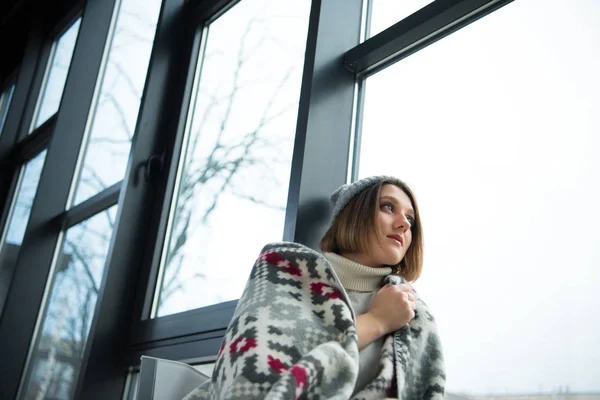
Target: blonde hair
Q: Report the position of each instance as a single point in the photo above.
(357, 223)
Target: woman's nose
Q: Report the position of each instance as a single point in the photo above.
(402, 223)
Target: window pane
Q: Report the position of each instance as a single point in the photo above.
(24, 200)
(57, 75)
(496, 129)
(385, 13)
(5, 99)
(18, 218)
(115, 116)
(56, 359)
(234, 181)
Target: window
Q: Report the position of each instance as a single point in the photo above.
(233, 177)
(114, 119)
(78, 271)
(496, 130)
(5, 99)
(56, 75)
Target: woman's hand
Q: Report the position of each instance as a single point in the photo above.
(392, 308)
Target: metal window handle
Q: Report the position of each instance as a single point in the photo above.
(154, 166)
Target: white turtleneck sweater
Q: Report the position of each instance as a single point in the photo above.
(361, 284)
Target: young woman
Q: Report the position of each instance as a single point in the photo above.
(342, 324)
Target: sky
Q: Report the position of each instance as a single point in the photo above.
(494, 127)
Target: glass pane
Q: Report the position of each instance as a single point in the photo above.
(115, 116)
(496, 129)
(5, 99)
(56, 359)
(17, 221)
(57, 75)
(234, 181)
(385, 13)
(24, 200)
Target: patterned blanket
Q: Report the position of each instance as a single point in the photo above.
(293, 336)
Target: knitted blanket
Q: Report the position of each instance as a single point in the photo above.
(293, 336)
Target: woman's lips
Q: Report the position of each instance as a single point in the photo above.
(397, 238)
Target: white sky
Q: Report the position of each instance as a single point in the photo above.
(385, 13)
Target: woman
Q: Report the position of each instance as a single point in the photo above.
(321, 326)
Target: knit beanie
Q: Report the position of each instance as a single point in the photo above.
(342, 196)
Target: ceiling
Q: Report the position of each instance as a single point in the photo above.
(14, 28)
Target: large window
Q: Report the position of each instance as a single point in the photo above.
(496, 129)
(233, 179)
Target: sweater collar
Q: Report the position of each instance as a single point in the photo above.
(355, 276)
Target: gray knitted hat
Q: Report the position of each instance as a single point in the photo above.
(342, 196)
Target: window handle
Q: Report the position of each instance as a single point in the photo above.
(154, 166)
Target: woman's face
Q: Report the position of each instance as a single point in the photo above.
(395, 216)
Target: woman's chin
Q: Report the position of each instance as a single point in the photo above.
(394, 260)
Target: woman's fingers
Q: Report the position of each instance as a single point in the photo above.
(402, 287)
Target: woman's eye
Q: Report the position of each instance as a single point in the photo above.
(388, 206)
(411, 220)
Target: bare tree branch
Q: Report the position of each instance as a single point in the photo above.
(86, 267)
(128, 80)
